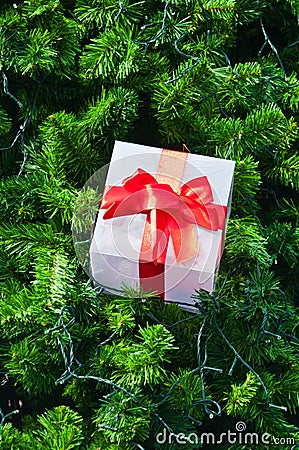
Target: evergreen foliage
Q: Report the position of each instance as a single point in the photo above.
(93, 371)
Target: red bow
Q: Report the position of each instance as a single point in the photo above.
(168, 213)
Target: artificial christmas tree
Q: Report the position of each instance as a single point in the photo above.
(96, 371)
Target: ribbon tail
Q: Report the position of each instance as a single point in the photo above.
(153, 236)
(151, 273)
(184, 239)
(217, 215)
(162, 237)
(155, 239)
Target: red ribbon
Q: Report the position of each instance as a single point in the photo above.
(168, 213)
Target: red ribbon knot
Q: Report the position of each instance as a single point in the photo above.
(168, 213)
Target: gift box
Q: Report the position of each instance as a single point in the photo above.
(162, 222)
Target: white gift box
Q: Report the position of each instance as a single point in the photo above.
(115, 251)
